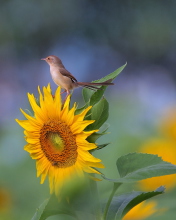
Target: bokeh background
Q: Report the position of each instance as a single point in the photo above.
(93, 38)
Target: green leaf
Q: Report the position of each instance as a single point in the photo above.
(87, 93)
(79, 110)
(112, 75)
(40, 210)
(122, 204)
(92, 97)
(52, 207)
(99, 113)
(138, 166)
(95, 96)
(93, 137)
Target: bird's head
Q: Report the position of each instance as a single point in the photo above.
(52, 60)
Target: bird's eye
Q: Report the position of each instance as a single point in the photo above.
(48, 58)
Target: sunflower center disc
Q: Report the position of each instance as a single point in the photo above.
(58, 144)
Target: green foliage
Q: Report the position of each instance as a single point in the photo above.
(40, 211)
(132, 167)
(92, 138)
(99, 113)
(52, 207)
(138, 166)
(92, 97)
(122, 204)
(72, 201)
(100, 106)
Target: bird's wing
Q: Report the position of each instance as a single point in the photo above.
(65, 72)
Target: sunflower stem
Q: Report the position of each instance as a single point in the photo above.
(95, 194)
(115, 187)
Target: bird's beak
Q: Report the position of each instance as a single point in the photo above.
(43, 59)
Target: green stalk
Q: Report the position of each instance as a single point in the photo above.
(115, 187)
(95, 195)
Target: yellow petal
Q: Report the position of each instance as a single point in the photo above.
(42, 102)
(90, 170)
(49, 88)
(51, 175)
(49, 104)
(65, 109)
(70, 115)
(86, 156)
(41, 165)
(97, 165)
(37, 155)
(78, 127)
(57, 102)
(39, 114)
(86, 145)
(81, 116)
(26, 125)
(84, 134)
(59, 180)
(32, 120)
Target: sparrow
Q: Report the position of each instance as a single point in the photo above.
(63, 78)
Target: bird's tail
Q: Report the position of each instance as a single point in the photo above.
(93, 85)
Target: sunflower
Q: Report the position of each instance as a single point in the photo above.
(57, 140)
(142, 211)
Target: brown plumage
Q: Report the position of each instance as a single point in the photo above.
(65, 79)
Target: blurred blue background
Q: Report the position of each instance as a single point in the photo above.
(93, 38)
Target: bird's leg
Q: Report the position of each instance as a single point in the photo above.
(64, 91)
(68, 93)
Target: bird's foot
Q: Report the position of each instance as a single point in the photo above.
(63, 91)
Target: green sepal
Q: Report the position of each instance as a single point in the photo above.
(29, 112)
(100, 146)
(93, 137)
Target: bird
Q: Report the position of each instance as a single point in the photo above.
(63, 78)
